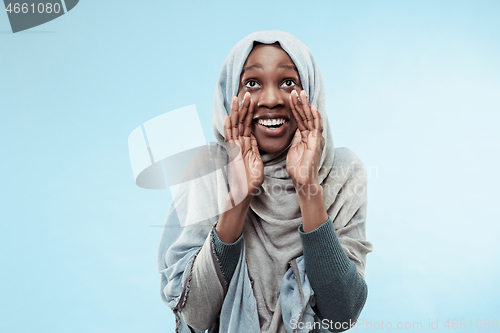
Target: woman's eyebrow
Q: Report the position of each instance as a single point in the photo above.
(250, 67)
(260, 67)
(289, 67)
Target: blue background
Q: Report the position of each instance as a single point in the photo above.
(412, 88)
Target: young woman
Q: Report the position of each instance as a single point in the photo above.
(282, 247)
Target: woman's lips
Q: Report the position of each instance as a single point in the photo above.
(272, 132)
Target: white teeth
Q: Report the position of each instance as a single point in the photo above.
(269, 122)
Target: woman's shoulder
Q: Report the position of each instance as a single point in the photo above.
(347, 167)
(203, 160)
(345, 157)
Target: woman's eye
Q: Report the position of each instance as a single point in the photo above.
(288, 83)
(251, 84)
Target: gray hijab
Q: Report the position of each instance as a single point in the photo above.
(271, 239)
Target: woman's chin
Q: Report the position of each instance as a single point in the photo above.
(270, 145)
(271, 149)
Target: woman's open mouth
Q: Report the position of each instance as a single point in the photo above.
(272, 127)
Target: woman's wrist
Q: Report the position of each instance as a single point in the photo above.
(230, 224)
(312, 206)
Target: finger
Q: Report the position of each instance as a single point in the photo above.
(294, 102)
(312, 142)
(317, 118)
(227, 128)
(249, 119)
(319, 139)
(234, 118)
(307, 110)
(243, 112)
(247, 145)
(255, 147)
(297, 138)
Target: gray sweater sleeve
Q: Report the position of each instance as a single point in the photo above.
(339, 289)
(228, 255)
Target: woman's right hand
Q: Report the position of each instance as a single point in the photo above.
(247, 169)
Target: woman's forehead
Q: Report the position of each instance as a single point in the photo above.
(268, 55)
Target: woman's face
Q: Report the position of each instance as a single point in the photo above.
(269, 75)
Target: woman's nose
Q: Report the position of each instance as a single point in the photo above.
(270, 97)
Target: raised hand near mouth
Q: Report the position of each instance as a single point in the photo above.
(305, 152)
(247, 169)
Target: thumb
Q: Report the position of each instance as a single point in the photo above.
(255, 147)
(296, 138)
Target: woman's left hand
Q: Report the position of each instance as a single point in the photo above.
(304, 155)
